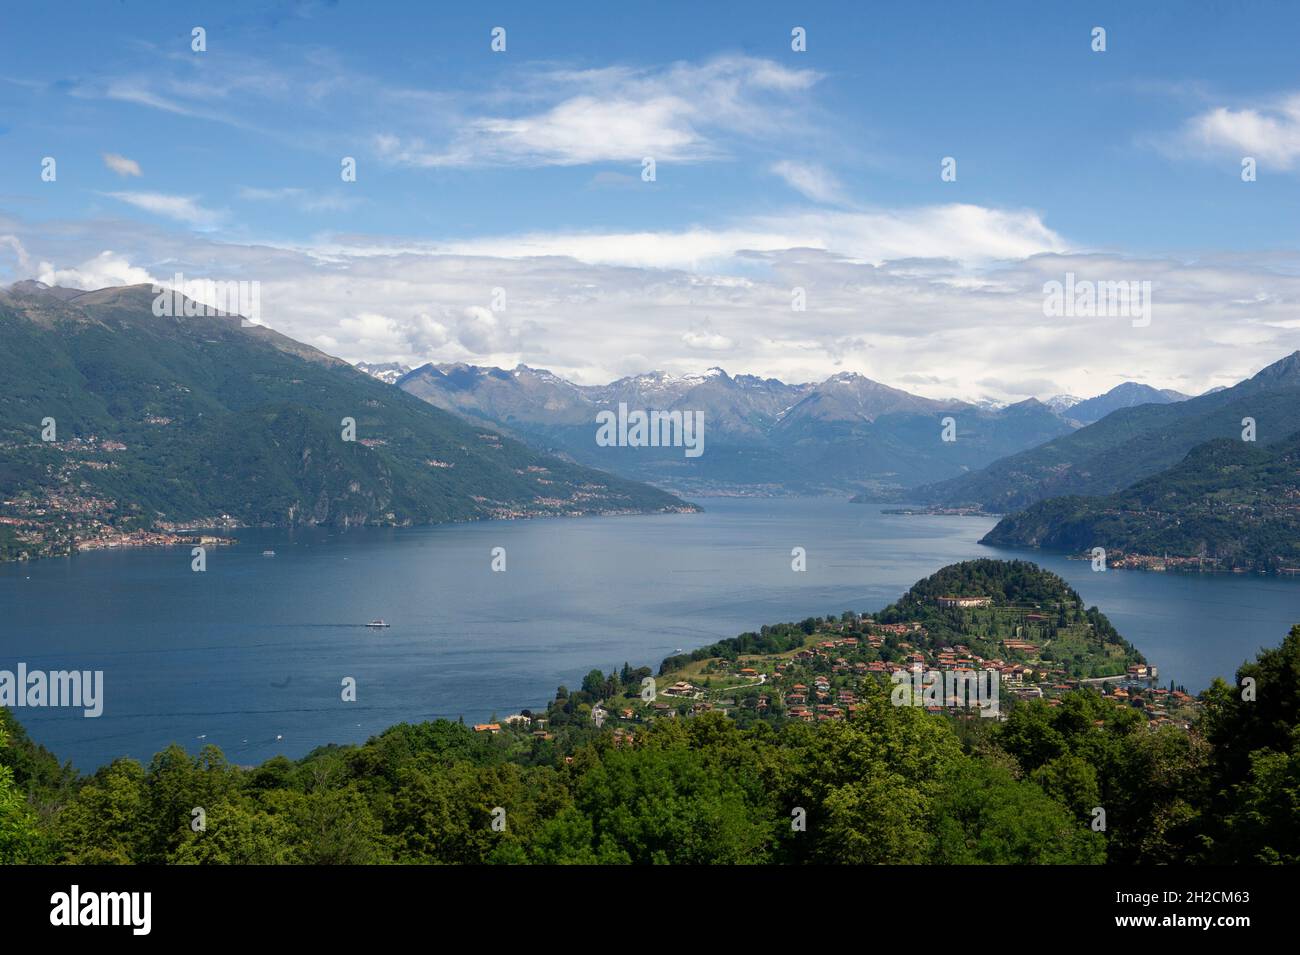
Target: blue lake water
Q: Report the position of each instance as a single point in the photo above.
(257, 647)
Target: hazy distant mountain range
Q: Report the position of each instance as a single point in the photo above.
(845, 434)
(183, 419)
(171, 420)
(849, 433)
(1128, 395)
(1130, 444)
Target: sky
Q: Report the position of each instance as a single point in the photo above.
(503, 213)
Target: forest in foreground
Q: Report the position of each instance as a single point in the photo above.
(892, 785)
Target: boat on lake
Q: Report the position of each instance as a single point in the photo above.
(378, 624)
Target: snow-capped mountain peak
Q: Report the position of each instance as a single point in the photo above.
(1061, 403)
(386, 371)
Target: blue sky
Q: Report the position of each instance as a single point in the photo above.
(522, 170)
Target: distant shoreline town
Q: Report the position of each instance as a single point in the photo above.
(1171, 563)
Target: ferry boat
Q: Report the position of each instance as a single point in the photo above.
(268, 553)
(378, 624)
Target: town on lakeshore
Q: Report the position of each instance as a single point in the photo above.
(66, 516)
(1162, 563)
(818, 670)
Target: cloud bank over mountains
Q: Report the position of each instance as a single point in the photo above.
(594, 307)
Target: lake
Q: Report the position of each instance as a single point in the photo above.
(256, 647)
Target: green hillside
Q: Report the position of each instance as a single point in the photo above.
(1129, 445)
(1233, 502)
(218, 419)
(1027, 604)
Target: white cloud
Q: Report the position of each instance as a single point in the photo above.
(965, 233)
(1270, 134)
(184, 209)
(372, 332)
(472, 332)
(140, 93)
(121, 165)
(809, 179)
(672, 114)
(299, 198)
(480, 331)
(255, 194)
(205, 88)
(20, 252)
(423, 334)
(525, 115)
(704, 338)
(104, 270)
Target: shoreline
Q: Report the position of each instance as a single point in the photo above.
(125, 541)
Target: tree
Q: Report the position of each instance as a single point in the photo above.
(1071, 781)
(107, 822)
(866, 785)
(20, 839)
(988, 817)
(663, 804)
(176, 784)
(331, 826)
(238, 834)
(1254, 773)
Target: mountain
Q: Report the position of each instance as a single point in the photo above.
(850, 397)
(1232, 502)
(388, 372)
(170, 420)
(1128, 395)
(1062, 403)
(31, 287)
(762, 436)
(534, 398)
(1129, 444)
